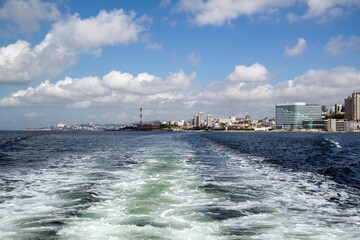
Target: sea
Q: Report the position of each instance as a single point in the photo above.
(179, 185)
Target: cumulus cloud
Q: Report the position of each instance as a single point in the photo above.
(20, 63)
(253, 73)
(319, 85)
(114, 88)
(24, 16)
(245, 90)
(145, 83)
(219, 12)
(297, 50)
(107, 28)
(314, 86)
(338, 44)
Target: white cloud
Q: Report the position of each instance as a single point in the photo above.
(195, 59)
(219, 12)
(145, 84)
(297, 50)
(338, 44)
(328, 10)
(246, 91)
(253, 73)
(114, 88)
(20, 63)
(107, 28)
(25, 16)
(324, 11)
(315, 86)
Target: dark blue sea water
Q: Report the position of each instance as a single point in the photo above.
(201, 185)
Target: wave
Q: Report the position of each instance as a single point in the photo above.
(168, 186)
(334, 143)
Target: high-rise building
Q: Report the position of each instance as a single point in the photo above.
(199, 119)
(209, 120)
(352, 107)
(297, 115)
(194, 120)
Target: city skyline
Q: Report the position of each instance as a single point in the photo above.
(74, 62)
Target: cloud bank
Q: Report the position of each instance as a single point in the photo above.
(114, 88)
(247, 89)
(21, 63)
(259, 95)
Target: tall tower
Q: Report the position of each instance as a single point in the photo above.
(140, 116)
(209, 120)
(352, 106)
(199, 119)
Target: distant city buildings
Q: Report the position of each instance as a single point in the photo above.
(230, 123)
(295, 116)
(337, 118)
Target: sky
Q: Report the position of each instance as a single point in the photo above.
(98, 61)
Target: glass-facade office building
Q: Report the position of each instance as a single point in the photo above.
(297, 115)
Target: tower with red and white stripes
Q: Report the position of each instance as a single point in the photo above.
(140, 116)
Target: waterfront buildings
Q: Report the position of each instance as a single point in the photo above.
(352, 107)
(298, 115)
(337, 125)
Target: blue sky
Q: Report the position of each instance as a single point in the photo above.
(75, 61)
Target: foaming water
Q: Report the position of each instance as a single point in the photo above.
(334, 143)
(278, 204)
(168, 186)
(157, 198)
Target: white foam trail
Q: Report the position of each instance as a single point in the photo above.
(158, 198)
(171, 192)
(335, 143)
(33, 206)
(304, 205)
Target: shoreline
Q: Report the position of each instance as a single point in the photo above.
(179, 131)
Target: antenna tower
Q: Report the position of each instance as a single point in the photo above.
(140, 116)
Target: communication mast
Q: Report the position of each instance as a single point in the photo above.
(140, 116)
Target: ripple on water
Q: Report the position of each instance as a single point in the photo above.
(171, 186)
